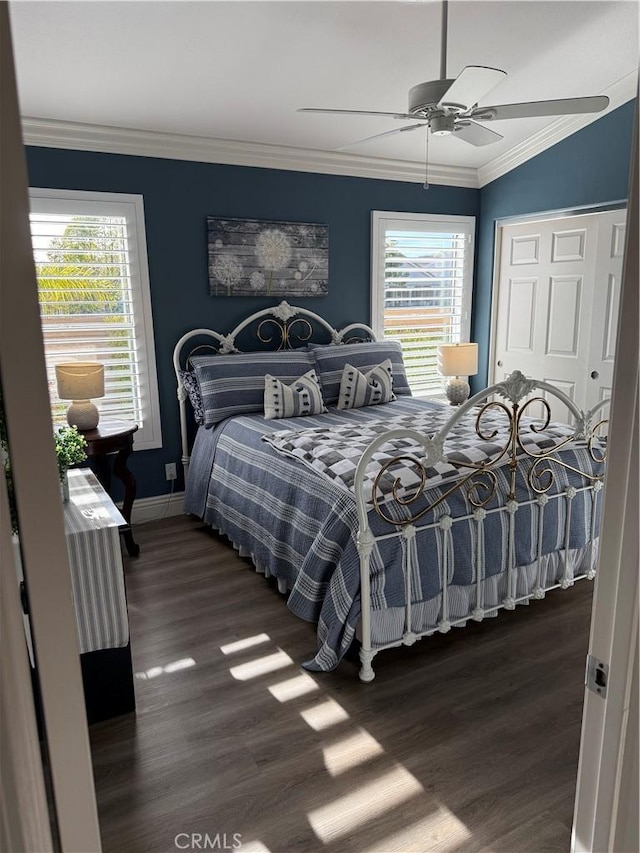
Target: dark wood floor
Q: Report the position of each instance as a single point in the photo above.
(464, 743)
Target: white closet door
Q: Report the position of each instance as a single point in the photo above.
(606, 300)
(552, 304)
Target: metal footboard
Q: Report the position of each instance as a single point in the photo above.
(512, 398)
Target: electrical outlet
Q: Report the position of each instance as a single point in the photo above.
(170, 471)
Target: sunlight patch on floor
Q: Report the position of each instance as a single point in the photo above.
(241, 645)
(174, 666)
(153, 672)
(261, 666)
(185, 663)
(349, 752)
(440, 832)
(284, 691)
(324, 715)
(364, 804)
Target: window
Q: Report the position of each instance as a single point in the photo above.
(93, 285)
(421, 281)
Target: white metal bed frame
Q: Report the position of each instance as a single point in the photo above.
(288, 325)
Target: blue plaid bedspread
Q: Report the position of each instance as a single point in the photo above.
(300, 526)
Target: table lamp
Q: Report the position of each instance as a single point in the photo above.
(80, 382)
(456, 360)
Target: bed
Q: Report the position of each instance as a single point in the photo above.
(383, 518)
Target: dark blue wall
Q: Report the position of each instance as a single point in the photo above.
(589, 167)
(178, 195)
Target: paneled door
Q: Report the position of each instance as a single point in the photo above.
(606, 301)
(557, 304)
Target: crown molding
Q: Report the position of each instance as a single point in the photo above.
(619, 93)
(50, 133)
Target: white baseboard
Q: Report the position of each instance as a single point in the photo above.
(156, 507)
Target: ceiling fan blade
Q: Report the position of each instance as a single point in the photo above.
(471, 84)
(561, 107)
(386, 133)
(476, 134)
(402, 116)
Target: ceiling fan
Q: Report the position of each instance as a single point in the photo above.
(450, 106)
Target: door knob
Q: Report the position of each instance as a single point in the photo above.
(595, 374)
(499, 364)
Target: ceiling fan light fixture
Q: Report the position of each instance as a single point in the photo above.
(442, 125)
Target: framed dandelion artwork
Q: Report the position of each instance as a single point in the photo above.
(253, 257)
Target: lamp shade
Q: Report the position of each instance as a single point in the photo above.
(458, 359)
(80, 380)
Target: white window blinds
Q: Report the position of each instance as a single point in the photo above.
(92, 303)
(421, 288)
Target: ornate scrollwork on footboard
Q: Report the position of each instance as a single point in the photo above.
(540, 475)
(477, 486)
(521, 447)
(382, 502)
(478, 479)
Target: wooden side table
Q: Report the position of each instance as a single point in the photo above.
(112, 436)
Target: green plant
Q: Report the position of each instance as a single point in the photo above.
(70, 448)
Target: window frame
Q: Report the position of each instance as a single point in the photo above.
(381, 220)
(130, 206)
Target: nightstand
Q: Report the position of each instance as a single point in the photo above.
(109, 437)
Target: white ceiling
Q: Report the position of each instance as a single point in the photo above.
(240, 70)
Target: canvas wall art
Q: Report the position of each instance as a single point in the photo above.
(254, 257)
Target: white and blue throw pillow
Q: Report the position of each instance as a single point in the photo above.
(359, 389)
(301, 397)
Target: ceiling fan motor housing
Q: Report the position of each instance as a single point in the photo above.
(442, 125)
(425, 97)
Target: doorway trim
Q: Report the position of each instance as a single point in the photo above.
(606, 806)
(43, 548)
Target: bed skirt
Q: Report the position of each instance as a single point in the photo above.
(387, 626)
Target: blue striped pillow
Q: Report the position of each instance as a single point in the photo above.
(331, 361)
(234, 384)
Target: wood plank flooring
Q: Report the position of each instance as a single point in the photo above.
(464, 743)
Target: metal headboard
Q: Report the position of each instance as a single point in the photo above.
(280, 327)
